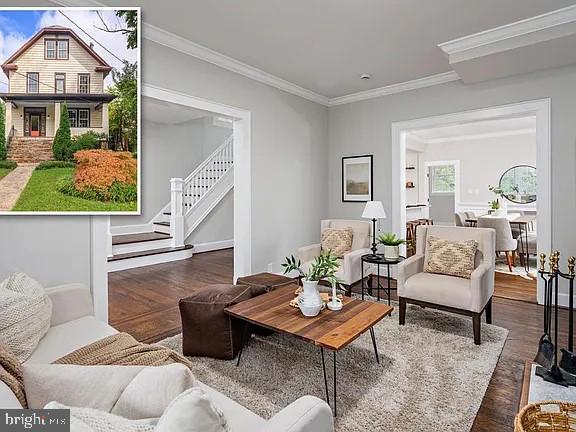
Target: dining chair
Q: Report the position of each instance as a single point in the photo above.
(505, 242)
(460, 219)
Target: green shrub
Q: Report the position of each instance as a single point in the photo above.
(8, 164)
(2, 132)
(118, 192)
(55, 164)
(87, 141)
(62, 139)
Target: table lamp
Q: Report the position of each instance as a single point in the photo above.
(374, 210)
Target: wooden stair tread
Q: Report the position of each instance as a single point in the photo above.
(150, 252)
(162, 223)
(139, 238)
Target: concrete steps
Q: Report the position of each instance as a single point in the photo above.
(30, 149)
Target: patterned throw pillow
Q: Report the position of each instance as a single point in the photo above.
(25, 313)
(452, 258)
(337, 241)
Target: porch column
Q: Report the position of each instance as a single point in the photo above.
(105, 122)
(56, 116)
(8, 123)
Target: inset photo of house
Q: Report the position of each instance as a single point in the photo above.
(69, 111)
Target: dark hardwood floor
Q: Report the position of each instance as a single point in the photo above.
(144, 303)
(515, 287)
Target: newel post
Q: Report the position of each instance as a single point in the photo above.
(176, 217)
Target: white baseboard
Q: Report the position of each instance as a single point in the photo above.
(212, 246)
(131, 229)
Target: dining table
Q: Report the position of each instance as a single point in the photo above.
(522, 221)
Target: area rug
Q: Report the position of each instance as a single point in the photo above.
(431, 376)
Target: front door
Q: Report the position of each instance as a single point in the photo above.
(35, 125)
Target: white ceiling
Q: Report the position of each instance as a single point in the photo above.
(475, 129)
(169, 113)
(324, 45)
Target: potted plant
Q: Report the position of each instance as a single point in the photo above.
(391, 245)
(323, 267)
(499, 208)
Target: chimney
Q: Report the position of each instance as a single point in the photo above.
(92, 45)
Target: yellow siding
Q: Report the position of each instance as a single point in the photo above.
(79, 61)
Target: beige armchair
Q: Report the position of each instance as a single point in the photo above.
(350, 270)
(469, 297)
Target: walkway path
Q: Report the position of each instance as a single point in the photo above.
(13, 184)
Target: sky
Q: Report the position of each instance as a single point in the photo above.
(17, 26)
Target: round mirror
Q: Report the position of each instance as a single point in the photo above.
(518, 184)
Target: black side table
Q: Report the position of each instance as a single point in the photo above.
(379, 260)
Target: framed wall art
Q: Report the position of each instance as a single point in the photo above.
(357, 183)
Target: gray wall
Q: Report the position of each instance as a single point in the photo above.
(365, 128)
(219, 225)
(51, 249)
(289, 147)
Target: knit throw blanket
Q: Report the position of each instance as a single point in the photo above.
(119, 349)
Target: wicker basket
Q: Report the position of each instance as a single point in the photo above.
(547, 416)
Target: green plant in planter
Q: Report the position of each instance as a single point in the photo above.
(390, 239)
(324, 267)
(494, 205)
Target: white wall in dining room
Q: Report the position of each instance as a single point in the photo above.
(482, 162)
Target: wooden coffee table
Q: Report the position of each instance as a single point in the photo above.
(329, 330)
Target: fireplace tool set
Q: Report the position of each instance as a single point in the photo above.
(563, 371)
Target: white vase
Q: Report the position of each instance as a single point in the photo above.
(310, 301)
(391, 252)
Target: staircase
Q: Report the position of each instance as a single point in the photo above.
(30, 149)
(192, 200)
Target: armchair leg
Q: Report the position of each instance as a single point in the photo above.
(489, 311)
(476, 325)
(402, 311)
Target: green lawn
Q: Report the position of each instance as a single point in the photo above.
(4, 172)
(41, 194)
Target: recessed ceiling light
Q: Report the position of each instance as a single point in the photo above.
(365, 76)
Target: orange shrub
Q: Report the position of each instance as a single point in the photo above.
(99, 169)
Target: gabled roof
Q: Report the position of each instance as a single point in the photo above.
(55, 29)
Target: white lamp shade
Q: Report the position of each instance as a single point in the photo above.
(374, 210)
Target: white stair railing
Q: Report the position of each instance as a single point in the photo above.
(187, 193)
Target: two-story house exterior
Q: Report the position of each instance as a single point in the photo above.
(55, 66)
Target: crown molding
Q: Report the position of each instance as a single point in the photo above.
(529, 31)
(396, 88)
(193, 49)
(478, 136)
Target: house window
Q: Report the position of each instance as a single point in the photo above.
(60, 82)
(442, 179)
(83, 118)
(56, 49)
(32, 82)
(50, 49)
(72, 115)
(83, 83)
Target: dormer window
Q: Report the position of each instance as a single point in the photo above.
(56, 49)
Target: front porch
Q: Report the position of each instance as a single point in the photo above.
(39, 115)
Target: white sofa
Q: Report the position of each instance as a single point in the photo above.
(350, 270)
(73, 325)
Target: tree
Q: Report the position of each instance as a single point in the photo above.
(123, 110)
(131, 30)
(2, 132)
(62, 139)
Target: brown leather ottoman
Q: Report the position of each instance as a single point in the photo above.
(206, 329)
(264, 282)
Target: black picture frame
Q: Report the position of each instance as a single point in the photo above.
(348, 197)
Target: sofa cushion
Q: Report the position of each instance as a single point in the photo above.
(337, 241)
(450, 257)
(191, 411)
(70, 336)
(25, 312)
(134, 392)
(238, 417)
(439, 289)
